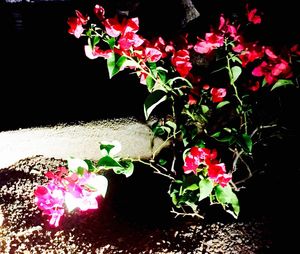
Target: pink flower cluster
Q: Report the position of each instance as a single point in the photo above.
(70, 190)
(199, 159)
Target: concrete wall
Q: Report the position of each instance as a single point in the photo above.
(81, 140)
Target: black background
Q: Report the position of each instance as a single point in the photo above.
(46, 78)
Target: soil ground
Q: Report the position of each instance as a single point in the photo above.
(133, 218)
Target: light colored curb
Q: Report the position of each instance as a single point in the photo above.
(80, 140)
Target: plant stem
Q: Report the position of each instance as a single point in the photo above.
(236, 93)
(156, 170)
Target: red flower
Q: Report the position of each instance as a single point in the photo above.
(76, 23)
(97, 52)
(181, 61)
(218, 94)
(252, 17)
(214, 170)
(195, 157)
(112, 27)
(99, 12)
(224, 179)
(211, 42)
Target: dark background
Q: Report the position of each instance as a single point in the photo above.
(46, 78)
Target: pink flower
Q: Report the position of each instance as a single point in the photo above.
(50, 199)
(153, 54)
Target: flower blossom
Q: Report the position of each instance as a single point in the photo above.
(218, 94)
(76, 24)
(207, 158)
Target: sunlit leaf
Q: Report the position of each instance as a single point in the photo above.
(282, 82)
(153, 99)
(236, 72)
(127, 168)
(108, 162)
(114, 64)
(91, 166)
(205, 109)
(206, 187)
(150, 83)
(191, 187)
(222, 104)
(171, 124)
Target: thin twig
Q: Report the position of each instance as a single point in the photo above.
(186, 214)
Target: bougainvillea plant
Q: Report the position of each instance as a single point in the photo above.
(208, 115)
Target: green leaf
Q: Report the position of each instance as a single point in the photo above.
(192, 205)
(223, 194)
(108, 162)
(128, 167)
(235, 205)
(173, 195)
(172, 125)
(152, 67)
(216, 134)
(91, 166)
(162, 75)
(222, 104)
(80, 171)
(248, 142)
(111, 42)
(162, 162)
(111, 62)
(206, 186)
(191, 187)
(114, 65)
(282, 82)
(236, 72)
(106, 147)
(226, 196)
(96, 40)
(150, 83)
(153, 99)
(205, 109)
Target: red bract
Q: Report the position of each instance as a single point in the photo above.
(153, 54)
(211, 42)
(250, 53)
(224, 179)
(217, 173)
(130, 39)
(252, 17)
(296, 49)
(76, 23)
(99, 12)
(218, 94)
(181, 61)
(273, 70)
(93, 53)
(112, 27)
